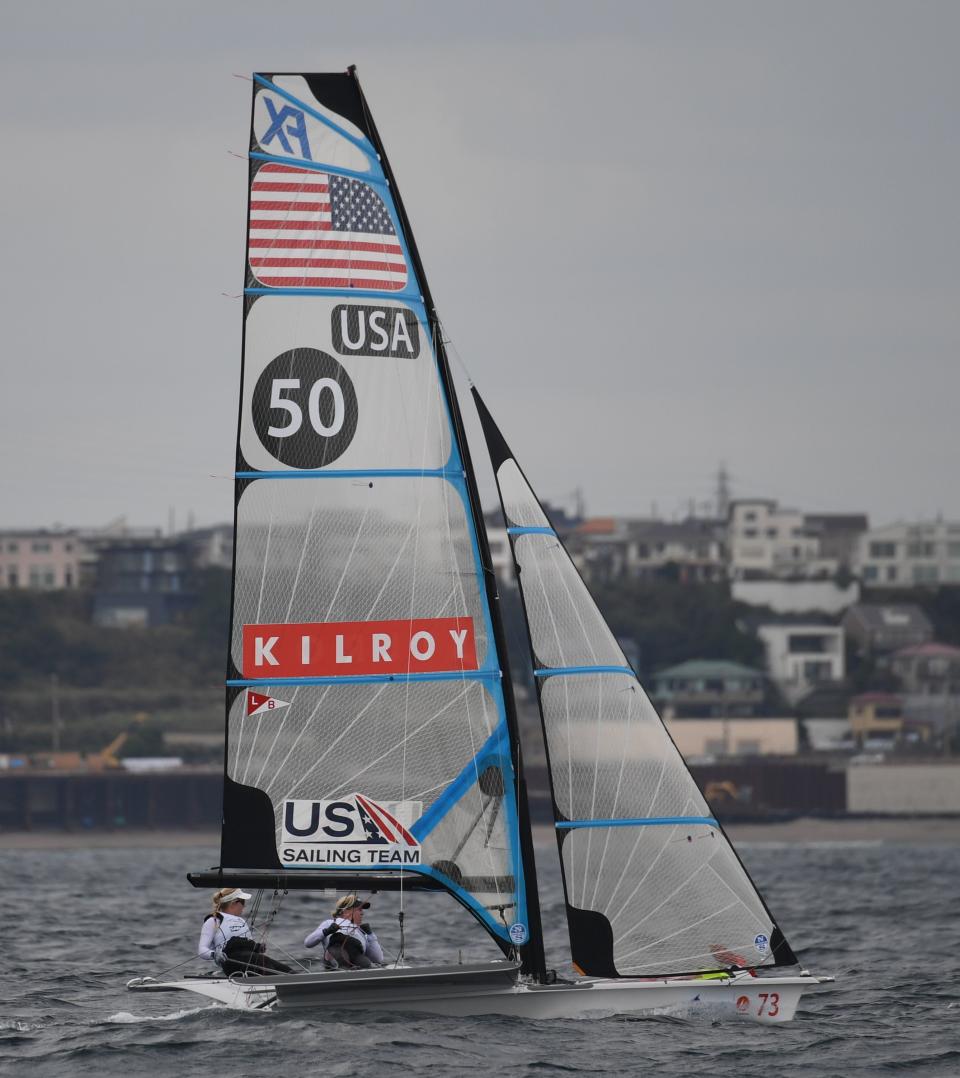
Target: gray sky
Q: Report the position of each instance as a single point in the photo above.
(661, 235)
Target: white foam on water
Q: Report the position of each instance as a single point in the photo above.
(19, 1025)
(125, 1018)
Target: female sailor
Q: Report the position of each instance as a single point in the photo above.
(227, 940)
(346, 940)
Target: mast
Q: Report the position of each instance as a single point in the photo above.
(532, 953)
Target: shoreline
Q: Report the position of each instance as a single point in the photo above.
(938, 830)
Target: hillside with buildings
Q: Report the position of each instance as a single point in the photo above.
(769, 639)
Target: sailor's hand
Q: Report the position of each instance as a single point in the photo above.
(366, 928)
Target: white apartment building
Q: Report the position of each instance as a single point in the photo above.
(764, 540)
(801, 656)
(905, 555)
(40, 559)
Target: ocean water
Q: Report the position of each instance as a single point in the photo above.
(881, 917)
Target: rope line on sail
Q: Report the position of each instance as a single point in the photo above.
(333, 744)
(649, 870)
(680, 886)
(739, 898)
(346, 783)
(678, 932)
(640, 882)
(616, 797)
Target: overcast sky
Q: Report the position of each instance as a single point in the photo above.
(660, 235)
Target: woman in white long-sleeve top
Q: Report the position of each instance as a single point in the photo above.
(227, 940)
(346, 940)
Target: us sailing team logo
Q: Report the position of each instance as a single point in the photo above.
(354, 830)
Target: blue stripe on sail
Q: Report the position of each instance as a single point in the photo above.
(317, 166)
(557, 671)
(531, 531)
(362, 143)
(356, 473)
(643, 821)
(495, 750)
(348, 293)
(484, 674)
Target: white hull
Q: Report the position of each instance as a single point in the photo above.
(491, 990)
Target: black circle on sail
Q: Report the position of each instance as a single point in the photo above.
(304, 408)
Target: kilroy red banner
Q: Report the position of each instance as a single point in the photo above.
(329, 649)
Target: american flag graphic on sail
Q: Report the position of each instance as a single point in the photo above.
(312, 229)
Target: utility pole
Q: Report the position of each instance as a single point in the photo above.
(723, 492)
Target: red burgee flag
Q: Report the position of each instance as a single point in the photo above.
(259, 703)
(349, 648)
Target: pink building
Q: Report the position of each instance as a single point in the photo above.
(40, 559)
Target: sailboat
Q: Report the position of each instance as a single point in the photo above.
(372, 737)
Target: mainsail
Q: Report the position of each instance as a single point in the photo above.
(369, 736)
(652, 884)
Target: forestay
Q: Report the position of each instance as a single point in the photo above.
(652, 884)
(366, 723)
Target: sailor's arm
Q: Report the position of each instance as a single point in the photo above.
(205, 946)
(317, 935)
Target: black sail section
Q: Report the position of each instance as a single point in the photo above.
(652, 884)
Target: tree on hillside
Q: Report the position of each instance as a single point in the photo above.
(672, 622)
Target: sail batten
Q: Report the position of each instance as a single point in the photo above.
(562, 671)
(648, 821)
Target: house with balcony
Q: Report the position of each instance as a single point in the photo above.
(765, 540)
(929, 676)
(929, 669)
(876, 716)
(702, 688)
(717, 708)
(210, 547)
(617, 548)
(143, 581)
(41, 559)
(803, 655)
(909, 555)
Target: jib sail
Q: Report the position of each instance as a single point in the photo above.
(367, 728)
(652, 884)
